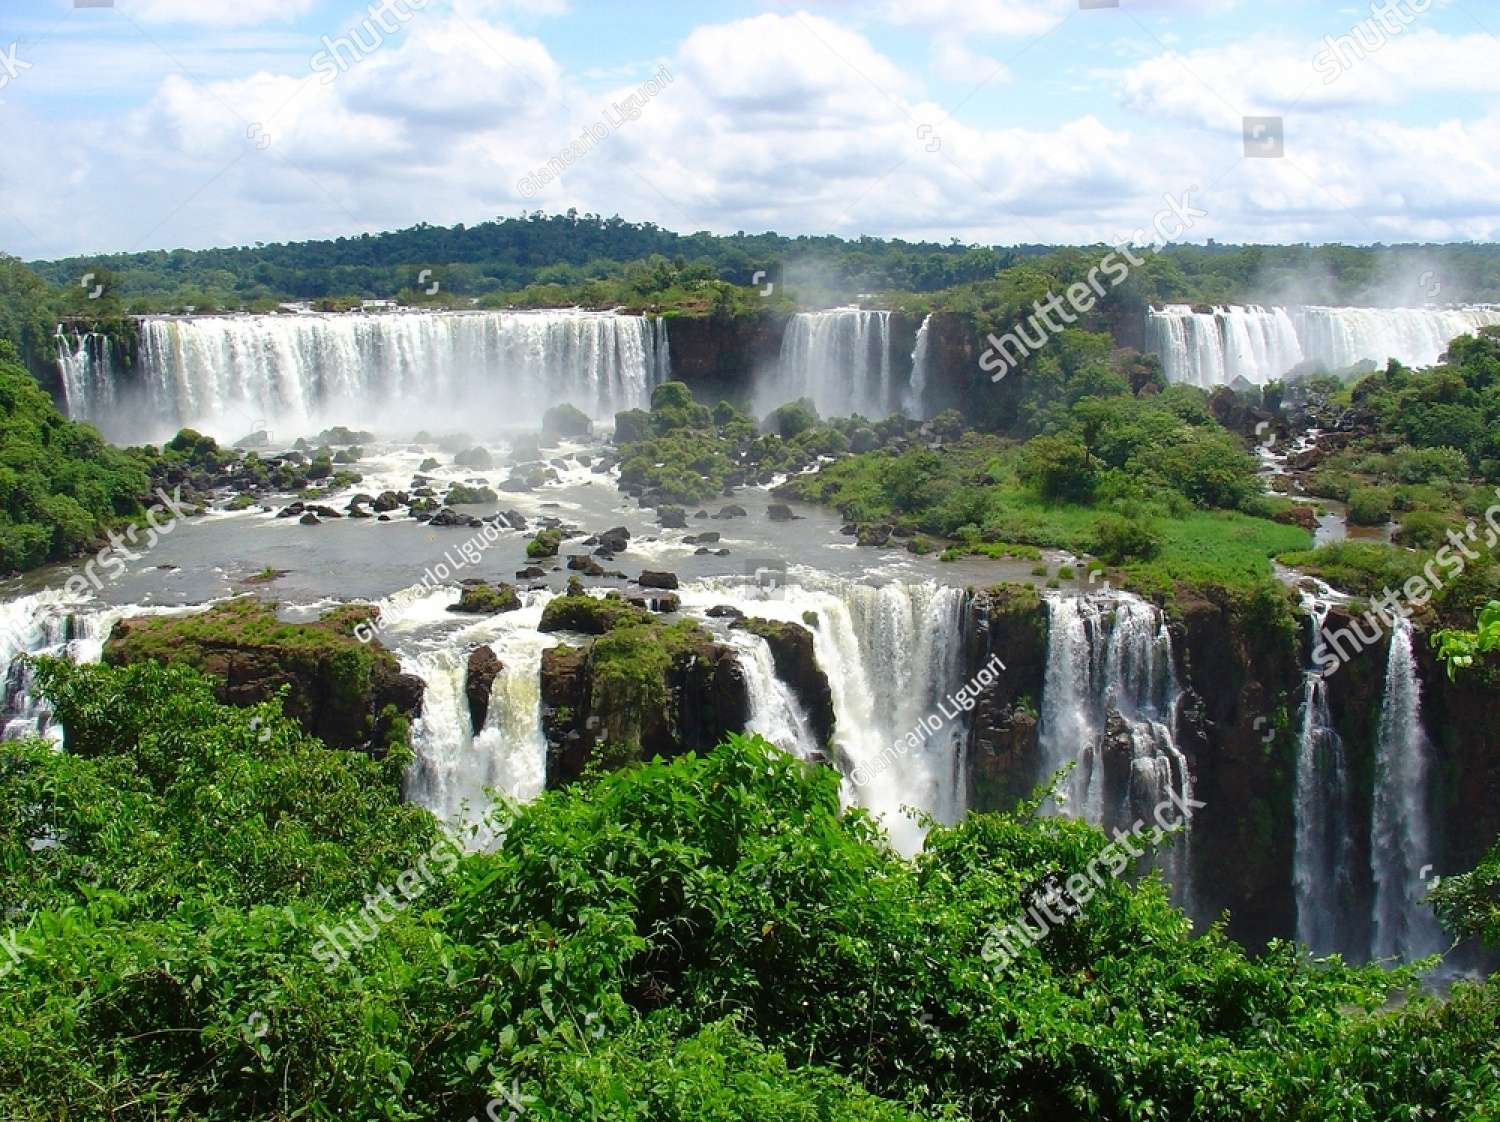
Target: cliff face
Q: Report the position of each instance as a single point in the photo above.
(719, 355)
(1240, 666)
(592, 708)
(1241, 675)
(1004, 763)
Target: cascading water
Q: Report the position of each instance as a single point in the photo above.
(294, 373)
(1263, 344)
(1214, 348)
(840, 360)
(1109, 706)
(912, 403)
(86, 364)
(1400, 828)
(58, 625)
(1341, 337)
(1324, 861)
(454, 766)
(893, 655)
(775, 712)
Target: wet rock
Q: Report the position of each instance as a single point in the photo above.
(295, 510)
(479, 680)
(663, 603)
(388, 501)
(731, 511)
(672, 518)
(780, 512)
(873, 535)
(724, 611)
(310, 519)
(583, 563)
(654, 579)
(710, 537)
(531, 572)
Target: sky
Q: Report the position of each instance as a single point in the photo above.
(128, 125)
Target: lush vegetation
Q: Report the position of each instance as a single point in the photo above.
(61, 487)
(1151, 484)
(714, 938)
(683, 452)
(560, 256)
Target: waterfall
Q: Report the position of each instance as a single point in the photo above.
(1109, 706)
(775, 712)
(893, 655)
(1400, 831)
(912, 403)
(1214, 348)
(840, 360)
(454, 766)
(296, 373)
(58, 625)
(86, 364)
(1324, 860)
(1263, 344)
(1338, 338)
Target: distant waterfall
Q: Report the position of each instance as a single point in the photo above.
(913, 402)
(841, 360)
(1323, 866)
(478, 371)
(1260, 345)
(86, 365)
(1400, 829)
(1341, 337)
(1109, 705)
(1214, 348)
(454, 766)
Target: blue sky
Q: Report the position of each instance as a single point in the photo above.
(191, 123)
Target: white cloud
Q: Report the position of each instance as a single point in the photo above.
(216, 13)
(789, 122)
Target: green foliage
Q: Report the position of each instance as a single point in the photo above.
(1459, 650)
(793, 418)
(1469, 904)
(712, 938)
(1059, 467)
(1118, 539)
(1370, 506)
(61, 487)
(545, 544)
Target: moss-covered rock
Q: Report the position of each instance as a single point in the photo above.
(589, 615)
(338, 687)
(545, 544)
(792, 651)
(643, 689)
(566, 420)
(486, 599)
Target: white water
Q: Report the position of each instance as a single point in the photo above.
(775, 712)
(912, 403)
(57, 625)
(1400, 830)
(1110, 678)
(292, 374)
(840, 360)
(455, 768)
(1263, 344)
(1323, 862)
(88, 374)
(893, 655)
